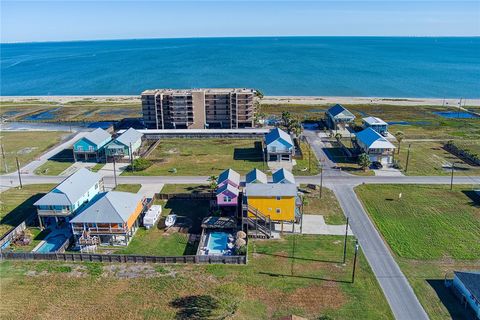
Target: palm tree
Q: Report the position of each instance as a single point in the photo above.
(364, 161)
(212, 183)
(399, 135)
(259, 93)
(286, 118)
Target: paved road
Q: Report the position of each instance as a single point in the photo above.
(395, 286)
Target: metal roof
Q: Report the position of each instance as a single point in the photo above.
(339, 109)
(256, 176)
(373, 140)
(374, 120)
(73, 188)
(229, 174)
(227, 187)
(109, 207)
(471, 281)
(270, 190)
(282, 174)
(276, 134)
(97, 136)
(129, 137)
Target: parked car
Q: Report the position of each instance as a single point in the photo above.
(377, 165)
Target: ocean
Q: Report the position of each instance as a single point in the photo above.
(320, 66)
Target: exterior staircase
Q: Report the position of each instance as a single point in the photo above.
(260, 225)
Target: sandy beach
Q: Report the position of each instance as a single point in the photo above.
(311, 100)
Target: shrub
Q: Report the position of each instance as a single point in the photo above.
(140, 164)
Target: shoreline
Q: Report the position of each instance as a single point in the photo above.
(306, 100)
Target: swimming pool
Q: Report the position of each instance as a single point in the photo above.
(52, 244)
(457, 115)
(217, 242)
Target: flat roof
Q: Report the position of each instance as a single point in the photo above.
(207, 90)
(374, 120)
(270, 190)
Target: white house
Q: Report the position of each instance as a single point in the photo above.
(377, 147)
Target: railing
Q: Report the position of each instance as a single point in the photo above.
(53, 212)
(100, 230)
(123, 258)
(185, 196)
(267, 221)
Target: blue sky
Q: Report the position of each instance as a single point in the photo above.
(23, 21)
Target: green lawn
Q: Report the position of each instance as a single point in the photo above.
(310, 283)
(432, 232)
(17, 204)
(427, 158)
(53, 168)
(133, 188)
(203, 157)
(308, 165)
(327, 206)
(36, 235)
(97, 167)
(27, 146)
(345, 163)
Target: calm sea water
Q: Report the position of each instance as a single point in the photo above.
(343, 66)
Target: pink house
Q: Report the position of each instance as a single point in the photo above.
(227, 195)
(230, 177)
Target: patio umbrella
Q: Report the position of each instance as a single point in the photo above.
(241, 235)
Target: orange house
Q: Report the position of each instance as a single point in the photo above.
(111, 218)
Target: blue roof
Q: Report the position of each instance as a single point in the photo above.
(256, 176)
(279, 134)
(283, 175)
(228, 187)
(372, 139)
(229, 174)
(337, 109)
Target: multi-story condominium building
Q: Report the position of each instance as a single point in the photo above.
(198, 108)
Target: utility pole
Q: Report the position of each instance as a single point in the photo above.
(4, 160)
(345, 243)
(321, 179)
(301, 219)
(451, 179)
(293, 248)
(19, 175)
(355, 262)
(408, 157)
(309, 167)
(131, 156)
(114, 172)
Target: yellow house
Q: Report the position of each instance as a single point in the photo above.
(277, 201)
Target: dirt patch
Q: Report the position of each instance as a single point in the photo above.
(26, 150)
(126, 271)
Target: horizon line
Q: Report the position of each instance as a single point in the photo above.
(246, 36)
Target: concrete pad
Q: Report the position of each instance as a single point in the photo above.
(275, 165)
(388, 172)
(107, 170)
(315, 224)
(148, 190)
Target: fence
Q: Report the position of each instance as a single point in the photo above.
(123, 258)
(184, 196)
(12, 233)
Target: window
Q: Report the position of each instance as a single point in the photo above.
(278, 210)
(278, 198)
(90, 148)
(227, 199)
(79, 148)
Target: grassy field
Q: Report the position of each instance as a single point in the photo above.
(53, 168)
(26, 146)
(306, 167)
(422, 122)
(17, 204)
(133, 188)
(327, 206)
(427, 158)
(81, 110)
(432, 231)
(345, 163)
(310, 283)
(203, 157)
(97, 167)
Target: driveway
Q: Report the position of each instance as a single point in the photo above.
(315, 224)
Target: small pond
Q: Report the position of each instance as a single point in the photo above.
(457, 115)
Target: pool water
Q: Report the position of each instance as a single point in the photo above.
(52, 244)
(217, 242)
(457, 115)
